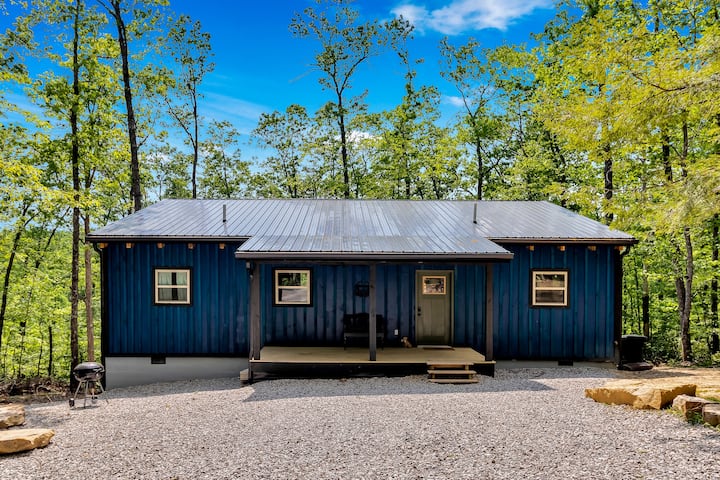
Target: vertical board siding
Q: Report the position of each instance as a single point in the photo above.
(214, 324)
(321, 322)
(333, 297)
(217, 321)
(582, 331)
(469, 327)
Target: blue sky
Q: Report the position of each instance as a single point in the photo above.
(261, 67)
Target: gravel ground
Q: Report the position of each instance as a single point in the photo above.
(522, 424)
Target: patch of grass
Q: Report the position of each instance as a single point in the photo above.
(695, 418)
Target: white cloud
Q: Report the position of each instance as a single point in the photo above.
(453, 100)
(242, 114)
(461, 16)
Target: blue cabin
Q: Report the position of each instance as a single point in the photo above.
(197, 288)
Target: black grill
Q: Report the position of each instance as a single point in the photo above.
(88, 375)
(88, 371)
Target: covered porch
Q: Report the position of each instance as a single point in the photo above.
(333, 362)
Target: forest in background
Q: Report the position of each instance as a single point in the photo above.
(613, 113)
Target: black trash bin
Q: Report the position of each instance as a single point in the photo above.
(631, 353)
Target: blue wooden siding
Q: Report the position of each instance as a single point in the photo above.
(215, 323)
(470, 319)
(333, 296)
(582, 331)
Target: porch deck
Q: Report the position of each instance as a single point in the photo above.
(333, 362)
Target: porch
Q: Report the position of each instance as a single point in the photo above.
(335, 362)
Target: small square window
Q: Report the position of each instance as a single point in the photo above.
(293, 287)
(549, 288)
(172, 286)
(433, 285)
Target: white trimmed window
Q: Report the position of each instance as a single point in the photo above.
(172, 286)
(549, 288)
(292, 287)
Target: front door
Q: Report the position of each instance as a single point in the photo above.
(434, 301)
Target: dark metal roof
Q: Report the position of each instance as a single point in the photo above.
(304, 228)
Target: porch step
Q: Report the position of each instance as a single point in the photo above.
(454, 381)
(435, 365)
(451, 373)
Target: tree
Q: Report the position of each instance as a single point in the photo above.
(287, 135)
(630, 84)
(115, 10)
(225, 173)
(345, 45)
(169, 168)
(407, 158)
(467, 68)
(190, 47)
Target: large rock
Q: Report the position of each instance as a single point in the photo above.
(12, 415)
(711, 414)
(21, 440)
(654, 396)
(690, 406)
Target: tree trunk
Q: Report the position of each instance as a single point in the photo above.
(135, 190)
(645, 304)
(50, 351)
(666, 158)
(480, 168)
(683, 288)
(89, 317)
(21, 350)
(6, 281)
(75, 162)
(343, 147)
(609, 186)
(195, 143)
(715, 335)
(714, 283)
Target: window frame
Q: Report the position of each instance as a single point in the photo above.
(534, 289)
(276, 287)
(426, 283)
(156, 286)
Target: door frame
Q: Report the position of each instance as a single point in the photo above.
(449, 294)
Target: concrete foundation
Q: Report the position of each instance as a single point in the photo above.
(127, 371)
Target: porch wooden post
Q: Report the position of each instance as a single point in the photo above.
(489, 311)
(372, 323)
(255, 312)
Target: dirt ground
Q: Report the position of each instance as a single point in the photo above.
(706, 379)
(32, 390)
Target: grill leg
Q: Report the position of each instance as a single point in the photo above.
(102, 392)
(72, 400)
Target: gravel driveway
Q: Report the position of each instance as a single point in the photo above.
(522, 424)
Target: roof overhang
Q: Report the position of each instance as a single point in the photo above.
(565, 241)
(373, 256)
(162, 238)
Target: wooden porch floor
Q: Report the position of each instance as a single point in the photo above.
(289, 362)
(360, 355)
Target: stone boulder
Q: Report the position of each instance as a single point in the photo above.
(11, 415)
(21, 440)
(690, 406)
(711, 414)
(655, 396)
